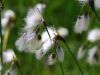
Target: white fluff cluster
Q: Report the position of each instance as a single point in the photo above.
(34, 16)
(29, 41)
(8, 16)
(82, 23)
(32, 42)
(33, 19)
(51, 59)
(9, 56)
(97, 4)
(4, 22)
(40, 7)
(94, 35)
(41, 47)
(81, 52)
(60, 54)
(48, 42)
(62, 31)
(11, 72)
(93, 55)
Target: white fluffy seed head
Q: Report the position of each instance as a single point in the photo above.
(39, 54)
(7, 20)
(82, 23)
(4, 22)
(21, 44)
(11, 72)
(52, 33)
(94, 35)
(45, 47)
(34, 16)
(33, 45)
(28, 42)
(51, 60)
(63, 32)
(40, 7)
(9, 14)
(9, 56)
(97, 4)
(47, 43)
(60, 54)
(81, 53)
(91, 55)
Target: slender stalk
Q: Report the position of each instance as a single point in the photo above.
(86, 44)
(1, 50)
(45, 25)
(61, 68)
(96, 15)
(82, 9)
(14, 64)
(60, 38)
(18, 66)
(60, 64)
(6, 36)
(3, 43)
(91, 4)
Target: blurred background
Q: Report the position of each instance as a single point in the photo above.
(60, 13)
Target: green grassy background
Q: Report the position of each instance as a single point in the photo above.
(59, 13)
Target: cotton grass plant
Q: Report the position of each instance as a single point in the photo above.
(8, 56)
(40, 47)
(45, 41)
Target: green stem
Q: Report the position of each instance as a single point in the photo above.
(60, 64)
(18, 66)
(96, 16)
(61, 68)
(6, 36)
(45, 25)
(82, 9)
(94, 11)
(60, 38)
(1, 50)
(86, 44)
